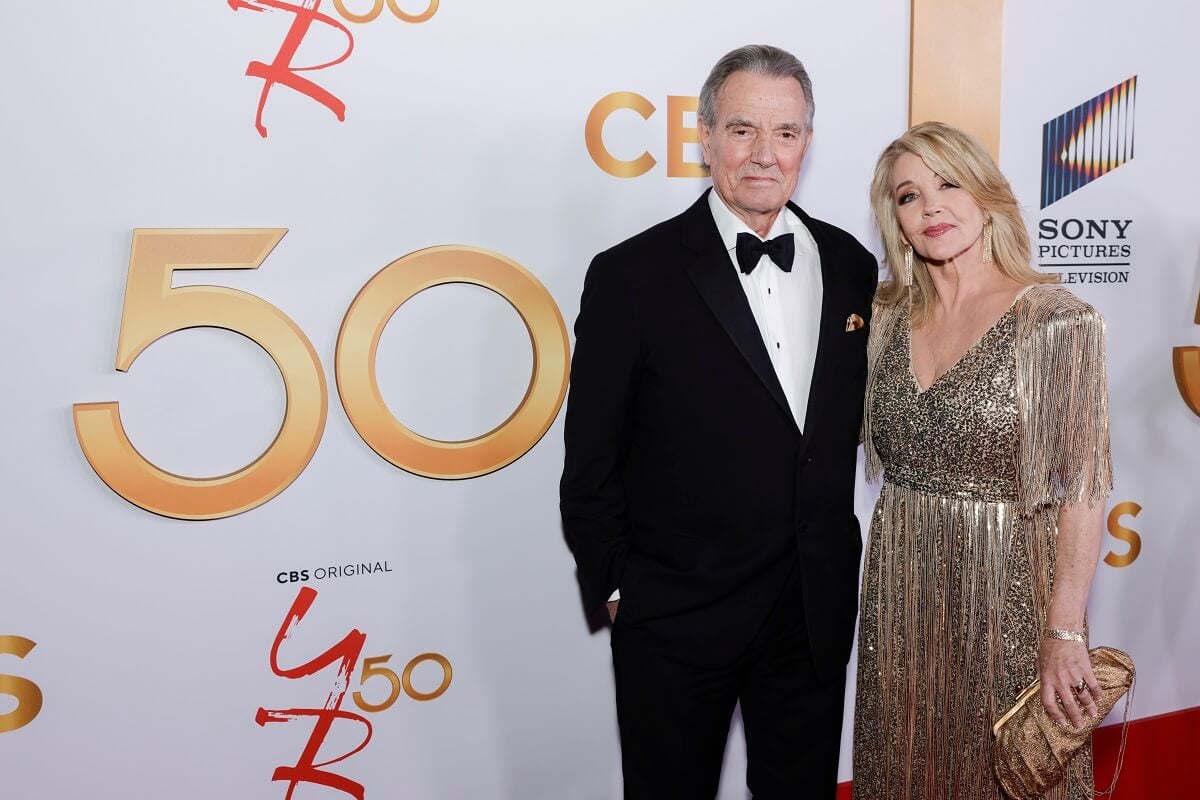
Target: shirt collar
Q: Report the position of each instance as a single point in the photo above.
(729, 225)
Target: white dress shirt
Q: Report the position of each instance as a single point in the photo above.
(786, 305)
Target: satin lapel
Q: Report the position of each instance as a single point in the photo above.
(824, 373)
(713, 274)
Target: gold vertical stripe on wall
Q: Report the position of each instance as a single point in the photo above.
(955, 66)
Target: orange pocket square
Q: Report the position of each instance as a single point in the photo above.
(853, 322)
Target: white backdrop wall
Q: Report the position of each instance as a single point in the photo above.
(1055, 58)
(153, 636)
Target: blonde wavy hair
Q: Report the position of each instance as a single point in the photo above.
(958, 158)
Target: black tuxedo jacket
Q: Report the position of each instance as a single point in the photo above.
(687, 483)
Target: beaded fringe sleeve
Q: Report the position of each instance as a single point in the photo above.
(883, 320)
(1062, 398)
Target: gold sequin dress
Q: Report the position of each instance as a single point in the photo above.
(960, 557)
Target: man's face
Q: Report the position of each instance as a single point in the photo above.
(756, 144)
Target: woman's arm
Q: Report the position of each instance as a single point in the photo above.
(1063, 664)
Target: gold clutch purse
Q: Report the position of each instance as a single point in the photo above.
(1032, 753)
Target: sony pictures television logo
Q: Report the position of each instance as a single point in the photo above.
(1078, 147)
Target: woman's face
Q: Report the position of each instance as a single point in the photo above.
(940, 220)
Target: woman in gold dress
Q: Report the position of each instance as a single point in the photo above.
(986, 414)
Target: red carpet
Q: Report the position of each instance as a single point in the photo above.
(1160, 756)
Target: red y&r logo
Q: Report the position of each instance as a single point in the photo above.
(345, 653)
(281, 70)
(306, 12)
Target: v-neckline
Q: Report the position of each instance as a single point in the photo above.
(912, 373)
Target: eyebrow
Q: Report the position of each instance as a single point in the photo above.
(901, 185)
(741, 122)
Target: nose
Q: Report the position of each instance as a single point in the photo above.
(931, 207)
(764, 152)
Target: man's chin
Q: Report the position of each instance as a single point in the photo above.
(761, 202)
(751, 185)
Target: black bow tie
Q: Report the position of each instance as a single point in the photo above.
(781, 250)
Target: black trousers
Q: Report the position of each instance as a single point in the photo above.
(674, 716)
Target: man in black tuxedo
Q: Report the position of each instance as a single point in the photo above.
(707, 495)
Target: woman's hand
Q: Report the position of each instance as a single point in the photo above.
(1064, 667)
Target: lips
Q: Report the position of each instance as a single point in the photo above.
(938, 230)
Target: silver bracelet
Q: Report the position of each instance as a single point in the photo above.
(1067, 636)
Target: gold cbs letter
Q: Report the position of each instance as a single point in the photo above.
(153, 309)
(1187, 371)
(29, 696)
(678, 134)
(1119, 531)
(358, 342)
(594, 134)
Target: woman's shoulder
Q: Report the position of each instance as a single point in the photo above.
(1050, 318)
(886, 308)
(890, 298)
(1052, 301)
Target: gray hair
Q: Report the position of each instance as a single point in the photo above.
(761, 59)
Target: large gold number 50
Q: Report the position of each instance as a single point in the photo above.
(1187, 371)
(153, 309)
(369, 314)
